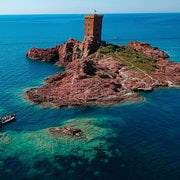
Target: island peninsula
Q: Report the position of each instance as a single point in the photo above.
(99, 73)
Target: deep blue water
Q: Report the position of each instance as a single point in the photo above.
(127, 141)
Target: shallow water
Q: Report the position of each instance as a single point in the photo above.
(129, 141)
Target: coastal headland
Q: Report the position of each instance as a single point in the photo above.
(101, 73)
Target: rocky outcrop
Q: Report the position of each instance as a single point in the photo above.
(99, 80)
(64, 53)
(89, 67)
(69, 131)
(148, 50)
(48, 55)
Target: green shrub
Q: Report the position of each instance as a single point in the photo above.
(130, 57)
(108, 49)
(136, 59)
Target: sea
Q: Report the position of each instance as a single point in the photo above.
(130, 141)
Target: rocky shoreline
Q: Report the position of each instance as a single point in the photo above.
(101, 74)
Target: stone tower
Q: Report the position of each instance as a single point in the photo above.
(93, 27)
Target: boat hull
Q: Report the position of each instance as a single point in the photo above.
(7, 119)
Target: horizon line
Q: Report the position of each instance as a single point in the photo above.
(168, 12)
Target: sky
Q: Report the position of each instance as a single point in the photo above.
(87, 6)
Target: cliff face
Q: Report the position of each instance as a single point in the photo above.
(102, 78)
(65, 53)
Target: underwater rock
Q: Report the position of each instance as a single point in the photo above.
(73, 132)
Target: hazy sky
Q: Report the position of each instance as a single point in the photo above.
(86, 6)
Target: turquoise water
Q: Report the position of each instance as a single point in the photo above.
(139, 140)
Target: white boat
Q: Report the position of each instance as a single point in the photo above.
(7, 119)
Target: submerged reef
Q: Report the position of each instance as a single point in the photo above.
(101, 74)
(48, 154)
(93, 137)
(73, 132)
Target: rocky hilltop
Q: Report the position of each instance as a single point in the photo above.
(101, 73)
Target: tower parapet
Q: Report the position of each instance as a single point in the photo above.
(93, 27)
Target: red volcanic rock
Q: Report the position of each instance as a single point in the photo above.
(150, 51)
(70, 88)
(73, 91)
(70, 51)
(89, 68)
(103, 81)
(64, 53)
(55, 77)
(168, 72)
(48, 55)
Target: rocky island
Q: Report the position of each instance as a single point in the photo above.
(99, 73)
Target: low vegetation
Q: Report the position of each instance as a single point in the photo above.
(108, 49)
(130, 57)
